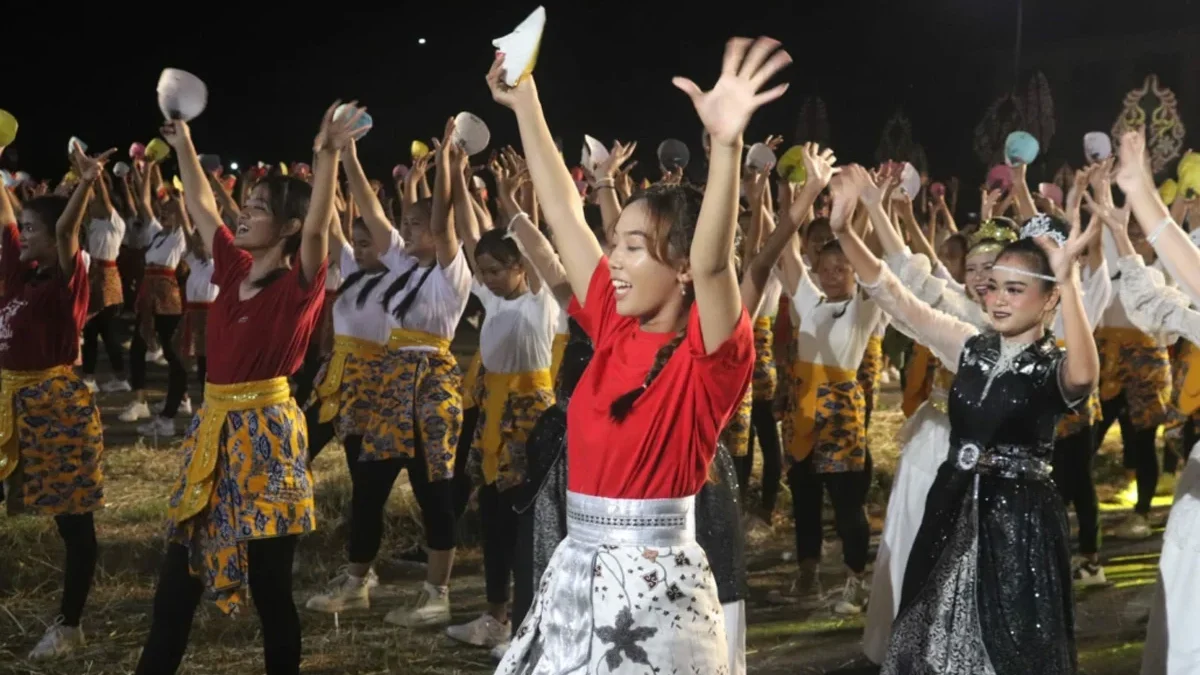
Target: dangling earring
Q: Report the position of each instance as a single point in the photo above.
(683, 290)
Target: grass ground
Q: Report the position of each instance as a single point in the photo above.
(139, 476)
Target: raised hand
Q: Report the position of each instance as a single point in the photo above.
(448, 151)
(89, 168)
(176, 133)
(1115, 219)
(1063, 258)
(337, 132)
(773, 142)
(844, 194)
(725, 110)
(1133, 171)
(509, 97)
(869, 192)
(620, 154)
(819, 165)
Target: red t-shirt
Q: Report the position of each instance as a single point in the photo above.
(263, 337)
(664, 447)
(40, 317)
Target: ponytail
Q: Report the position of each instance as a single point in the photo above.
(619, 409)
(354, 278)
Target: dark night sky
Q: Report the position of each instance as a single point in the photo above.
(604, 69)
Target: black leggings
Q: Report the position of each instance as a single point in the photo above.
(103, 326)
(1073, 477)
(1139, 455)
(462, 480)
(305, 378)
(78, 533)
(372, 484)
(320, 434)
(164, 328)
(499, 521)
(178, 594)
(848, 492)
(762, 427)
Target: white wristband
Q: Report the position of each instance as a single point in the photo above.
(603, 183)
(1159, 230)
(516, 215)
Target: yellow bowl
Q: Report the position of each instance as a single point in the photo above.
(1189, 162)
(1168, 191)
(1189, 182)
(8, 128)
(791, 165)
(157, 150)
(419, 149)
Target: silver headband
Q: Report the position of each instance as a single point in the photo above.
(1018, 270)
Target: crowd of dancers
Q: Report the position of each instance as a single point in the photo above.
(635, 345)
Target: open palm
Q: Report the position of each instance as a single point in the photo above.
(726, 108)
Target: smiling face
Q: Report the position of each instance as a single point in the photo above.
(259, 227)
(977, 270)
(419, 241)
(366, 253)
(645, 287)
(1017, 302)
(835, 274)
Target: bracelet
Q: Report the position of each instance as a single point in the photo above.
(512, 220)
(1159, 230)
(603, 183)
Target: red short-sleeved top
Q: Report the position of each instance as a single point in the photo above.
(40, 316)
(263, 337)
(664, 447)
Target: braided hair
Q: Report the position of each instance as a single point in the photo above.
(620, 408)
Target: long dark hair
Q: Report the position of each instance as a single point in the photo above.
(288, 199)
(621, 407)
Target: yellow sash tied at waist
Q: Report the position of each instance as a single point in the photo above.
(12, 381)
(343, 347)
(219, 401)
(557, 349)
(401, 338)
(498, 387)
(917, 380)
(812, 383)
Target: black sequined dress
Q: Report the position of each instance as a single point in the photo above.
(987, 590)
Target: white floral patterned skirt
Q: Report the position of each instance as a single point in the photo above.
(628, 590)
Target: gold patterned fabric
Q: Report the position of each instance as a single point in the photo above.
(557, 349)
(1185, 384)
(472, 384)
(348, 385)
(829, 420)
(736, 434)
(870, 369)
(1078, 421)
(105, 280)
(918, 379)
(51, 442)
(765, 376)
(245, 476)
(1132, 363)
(509, 408)
(420, 398)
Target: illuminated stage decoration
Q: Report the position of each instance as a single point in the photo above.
(1033, 113)
(1164, 128)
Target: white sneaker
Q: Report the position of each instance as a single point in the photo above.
(160, 427)
(432, 608)
(90, 383)
(136, 410)
(1136, 526)
(854, 597)
(499, 651)
(59, 640)
(185, 407)
(1087, 573)
(345, 592)
(154, 356)
(115, 386)
(485, 631)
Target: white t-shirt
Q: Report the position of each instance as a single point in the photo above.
(104, 237)
(358, 311)
(165, 249)
(440, 300)
(517, 335)
(199, 286)
(833, 333)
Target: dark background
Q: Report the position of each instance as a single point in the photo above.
(604, 69)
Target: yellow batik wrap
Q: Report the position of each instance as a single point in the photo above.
(765, 378)
(471, 383)
(511, 406)
(51, 440)
(1077, 422)
(557, 349)
(870, 369)
(348, 389)
(422, 395)
(1185, 384)
(250, 440)
(736, 434)
(1132, 362)
(828, 420)
(785, 388)
(918, 379)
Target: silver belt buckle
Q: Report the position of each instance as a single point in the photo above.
(968, 456)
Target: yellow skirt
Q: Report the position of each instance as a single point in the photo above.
(785, 389)
(245, 476)
(829, 420)
(870, 369)
(421, 400)
(1132, 363)
(736, 434)
(557, 349)
(51, 441)
(765, 377)
(511, 406)
(472, 386)
(348, 385)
